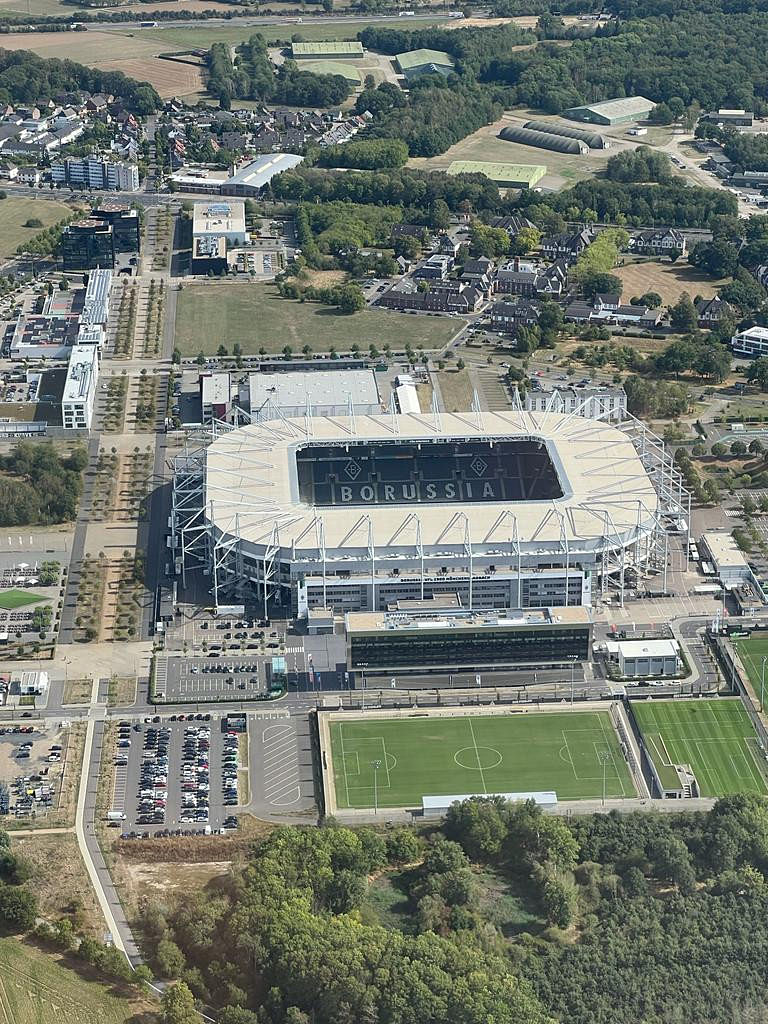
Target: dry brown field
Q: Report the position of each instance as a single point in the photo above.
(170, 78)
(669, 280)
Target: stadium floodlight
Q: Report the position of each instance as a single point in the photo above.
(603, 756)
(375, 765)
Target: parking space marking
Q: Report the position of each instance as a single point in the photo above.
(280, 765)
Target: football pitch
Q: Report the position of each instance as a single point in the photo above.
(394, 762)
(714, 737)
(752, 650)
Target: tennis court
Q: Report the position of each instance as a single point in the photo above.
(714, 736)
(394, 762)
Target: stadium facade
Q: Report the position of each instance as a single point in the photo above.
(500, 510)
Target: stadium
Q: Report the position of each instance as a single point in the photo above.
(356, 513)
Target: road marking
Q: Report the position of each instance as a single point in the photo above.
(280, 765)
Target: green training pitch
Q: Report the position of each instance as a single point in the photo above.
(752, 650)
(562, 751)
(10, 599)
(714, 737)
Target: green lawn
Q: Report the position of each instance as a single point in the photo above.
(561, 751)
(254, 315)
(714, 737)
(175, 38)
(14, 213)
(35, 989)
(10, 599)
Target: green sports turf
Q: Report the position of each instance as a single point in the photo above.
(715, 737)
(752, 650)
(10, 599)
(476, 754)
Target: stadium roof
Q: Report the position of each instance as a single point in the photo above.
(527, 174)
(417, 58)
(252, 487)
(326, 48)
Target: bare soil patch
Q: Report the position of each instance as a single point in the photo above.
(170, 78)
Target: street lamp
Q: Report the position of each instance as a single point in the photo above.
(375, 765)
(573, 668)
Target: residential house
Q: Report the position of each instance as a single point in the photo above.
(611, 313)
(659, 242)
(8, 170)
(448, 246)
(441, 297)
(518, 277)
(512, 224)
(605, 403)
(435, 268)
(511, 316)
(568, 246)
(29, 175)
(479, 272)
(711, 311)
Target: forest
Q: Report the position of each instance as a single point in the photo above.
(253, 78)
(38, 486)
(502, 913)
(27, 78)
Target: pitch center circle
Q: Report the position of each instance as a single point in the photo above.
(478, 759)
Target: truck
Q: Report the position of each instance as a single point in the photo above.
(115, 816)
(708, 588)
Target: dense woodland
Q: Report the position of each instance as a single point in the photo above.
(504, 914)
(38, 486)
(253, 77)
(27, 78)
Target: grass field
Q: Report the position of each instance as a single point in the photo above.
(211, 314)
(753, 649)
(563, 169)
(476, 754)
(714, 737)
(10, 599)
(669, 280)
(36, 989)
(14, 213)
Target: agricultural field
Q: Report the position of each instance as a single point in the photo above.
(714, 737)
(15, 212)
(35, 988)
(394, 762)
(669, 280)
(255, 317)
(563, 169)
(169, 77)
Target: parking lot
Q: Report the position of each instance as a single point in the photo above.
(31, 764)
(207, 679)
(175, 776)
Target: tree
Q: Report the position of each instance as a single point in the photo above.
(738, 448)
(757, 373)
(651, 299)
(525, 241)
(176, 357)
(479, 825)
(661, 114)
(200, 359)
(345, 892)
(460, 364)
(718, 450)
(170, 959)
(403, 846)
(756, 447)
(682, 315)
(178, 1006)
(557, 902)
(18, 908)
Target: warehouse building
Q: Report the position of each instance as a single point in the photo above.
(618, 111)
(257, 174)
(649, 659)
(414, 63)
(542, 140)
(504, 175)
(592, 139)
(329, 49)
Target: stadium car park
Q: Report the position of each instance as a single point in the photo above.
(229, 677)
(174, 777)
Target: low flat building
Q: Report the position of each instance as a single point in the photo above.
(329, 49)
(733, 118)
(222, 219)
(325, 392)
(727, 557)
(44, 337)
(522, 176)
(605, 403)
(750, 343)
(659, 242)
(79, 393)
(414, 63)
(252, 177)
(217, 391)
(617, 111)
(644, 659)
(451, 640)
(96, 302)
(209, 255)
